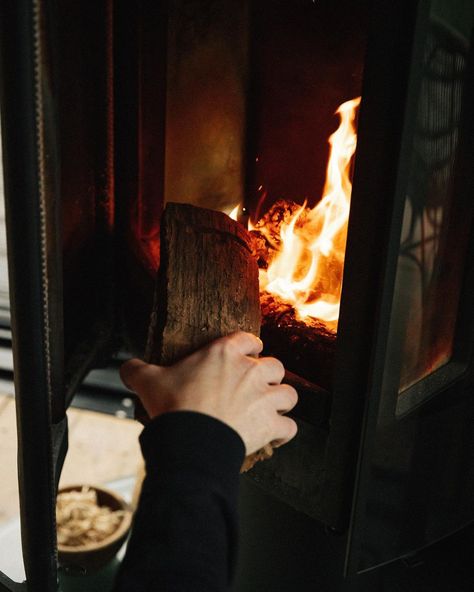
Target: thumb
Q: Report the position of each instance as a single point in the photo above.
(132, 373)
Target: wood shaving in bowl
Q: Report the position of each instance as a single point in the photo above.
(80, 520)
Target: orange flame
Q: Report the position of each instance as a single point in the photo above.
(307, 270)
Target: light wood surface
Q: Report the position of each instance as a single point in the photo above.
(102, 448)
(9, 505)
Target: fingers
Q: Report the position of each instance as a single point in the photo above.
(283, 398)
(271, 369)
(285, 430)
(246, 344)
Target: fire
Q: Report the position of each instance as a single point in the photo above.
(307, 268)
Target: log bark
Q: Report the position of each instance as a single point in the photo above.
(207, 285)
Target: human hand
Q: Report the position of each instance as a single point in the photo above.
(224, 381)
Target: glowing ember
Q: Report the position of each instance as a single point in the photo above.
(306, 270)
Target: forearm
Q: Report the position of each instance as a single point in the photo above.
(185, 529)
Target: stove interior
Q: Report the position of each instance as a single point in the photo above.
(259, 120)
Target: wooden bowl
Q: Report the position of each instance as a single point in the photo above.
(93, 556)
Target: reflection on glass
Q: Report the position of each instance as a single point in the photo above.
(435, 226)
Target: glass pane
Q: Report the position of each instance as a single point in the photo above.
(436, 223)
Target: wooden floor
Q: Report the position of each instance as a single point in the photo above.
(102, 448)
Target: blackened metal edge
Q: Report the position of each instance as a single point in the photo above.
(416, 18)
(379, 129)
(26, 226)
(430, 386)
(420, 467)
(140, 59)
(8, 585)
(102, 340)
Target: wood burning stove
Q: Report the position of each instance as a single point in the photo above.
(109, 112)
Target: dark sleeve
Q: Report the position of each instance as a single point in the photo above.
(184, 536)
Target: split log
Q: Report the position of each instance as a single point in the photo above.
(207, 283)
(207, 286)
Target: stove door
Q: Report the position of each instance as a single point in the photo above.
(415, 479)
(56, 116)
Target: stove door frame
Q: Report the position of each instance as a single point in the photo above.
(41, 268)
(35, 281)
(450, 406)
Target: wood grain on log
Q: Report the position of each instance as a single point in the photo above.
(207, 283)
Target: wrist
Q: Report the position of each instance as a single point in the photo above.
(187, 438)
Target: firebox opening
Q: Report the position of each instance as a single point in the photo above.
(260, 122)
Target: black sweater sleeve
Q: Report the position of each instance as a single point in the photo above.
(184, 537)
